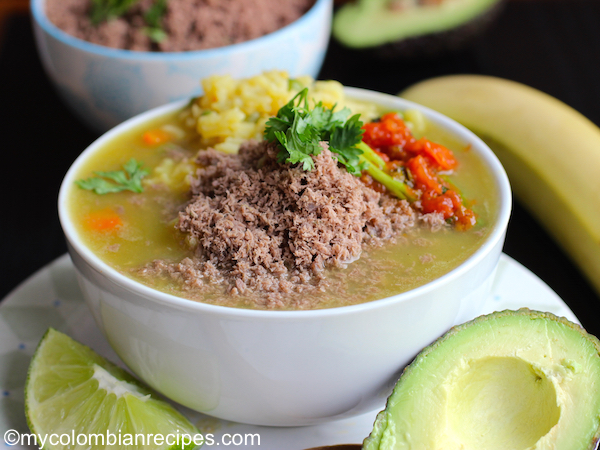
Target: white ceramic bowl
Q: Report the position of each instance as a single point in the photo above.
(281, 367)
(105, 86)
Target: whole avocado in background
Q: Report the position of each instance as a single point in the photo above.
(511, 380)
(408, 28)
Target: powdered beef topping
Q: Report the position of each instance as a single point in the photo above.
(272, 229)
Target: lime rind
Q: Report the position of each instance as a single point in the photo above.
(72, 390)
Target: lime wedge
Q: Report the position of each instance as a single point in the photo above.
(77, 400)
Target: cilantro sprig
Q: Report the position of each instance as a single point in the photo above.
(299, 129)
(129, 179)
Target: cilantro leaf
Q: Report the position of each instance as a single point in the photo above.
(320, 117)
(299, 142)
(299, 131)
(343, 142)
(108, 182)
(281, 122)
(103, 10)
(155, 34)
(153, 15)
(294, 85)
(153, 18)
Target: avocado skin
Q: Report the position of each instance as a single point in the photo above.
(373, 441)
(432, 45)
(436, 44)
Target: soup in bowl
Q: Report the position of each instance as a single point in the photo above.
(247, 279)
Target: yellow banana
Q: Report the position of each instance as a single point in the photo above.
(550, 152)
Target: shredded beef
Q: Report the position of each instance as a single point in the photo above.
(267, 230)
(188, 24)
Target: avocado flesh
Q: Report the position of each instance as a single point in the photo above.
(371, 23)
(510, 380)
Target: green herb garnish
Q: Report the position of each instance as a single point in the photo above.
(294, 85)
(129, 179)
(103, 10)
(299, 130)
(155, 34)
(153, 18)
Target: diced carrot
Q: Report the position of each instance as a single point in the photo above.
(439, 155)
(424, 177)
(103, 220)
(156, 137)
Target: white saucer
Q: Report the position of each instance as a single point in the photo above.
(51, 298)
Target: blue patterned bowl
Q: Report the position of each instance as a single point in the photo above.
(105, 86)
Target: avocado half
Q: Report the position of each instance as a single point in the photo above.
(408, 28)
(513, 380)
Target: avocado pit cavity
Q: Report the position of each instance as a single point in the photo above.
(499, 403)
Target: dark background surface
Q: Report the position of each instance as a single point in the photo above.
(552, 45)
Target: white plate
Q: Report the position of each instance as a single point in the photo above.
(51, 298)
